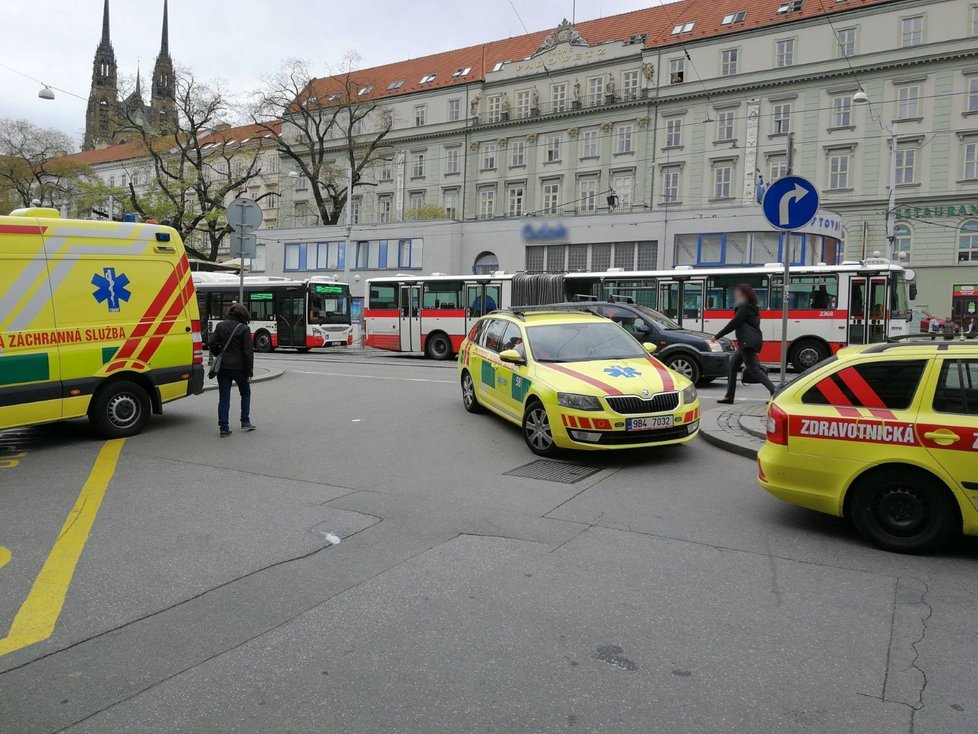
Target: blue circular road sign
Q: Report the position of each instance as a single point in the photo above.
(790, 203)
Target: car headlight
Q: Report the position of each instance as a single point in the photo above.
(689, 395)
(716, 346)
(578, 402)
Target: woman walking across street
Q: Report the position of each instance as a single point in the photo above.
(746, 325)
(235, 363)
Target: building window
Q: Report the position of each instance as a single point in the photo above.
(906, 160)
(971, 161)
(494, 105)
(677, 71)
(670, 185)
(625, 255)
(556, 258)
(486, 264)
(623, 139)
(912, 31)
(722, 176)
(600, 257)
(517, 150)
(553, 149)
(576, 258)
(453, 158)
(487, 203)
(778, 168)
(781, 119)
(534, 259)
(384, 209)
(973, 95)
(416, 203)
(409, 253)
(329, 256)
(420, 114)
(725, 126)
(523, 103)
(558, 97)
(846, 42)
(908, 102)
(647, 256)
(417, 165)
(728, 61)
(974, 20)
(551, 197)
(589, 144)
(968, 242)
(622, 185)
(842, 111)
(630, 84)
(293, 257)
(902, 239)
(595, 90)
(517, 197)
(588, 196)
(386, 169)
(784, 52)
(839, 164)
(454, 110)
(357, 207)
(488, 156)
(674, 132)
(450, 198)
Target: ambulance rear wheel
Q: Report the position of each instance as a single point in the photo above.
(469, 400)
(119, 410)
(904, 511)
(263, 342)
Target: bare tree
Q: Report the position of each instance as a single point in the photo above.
(34, 165)
(196, 167)
(325, 119)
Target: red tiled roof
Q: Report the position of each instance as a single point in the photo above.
(657, 22)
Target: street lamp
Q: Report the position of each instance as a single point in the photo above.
(861, 98)
(46, 93)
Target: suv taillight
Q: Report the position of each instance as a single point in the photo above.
(777, 425)
(198, 342)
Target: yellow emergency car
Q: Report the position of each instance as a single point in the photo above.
(574, 380)
(885, 435)
(97, 319)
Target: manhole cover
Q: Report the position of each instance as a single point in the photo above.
(553, 471)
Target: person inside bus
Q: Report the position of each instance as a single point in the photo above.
(821, 298)
(746, 324)
(483, 304)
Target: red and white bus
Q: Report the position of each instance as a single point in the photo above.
(285, 313)
(829, 306)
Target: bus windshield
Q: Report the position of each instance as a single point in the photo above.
(582, 342)
(329, 304)
(899, 302)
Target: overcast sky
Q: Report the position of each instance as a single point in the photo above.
(239, 42)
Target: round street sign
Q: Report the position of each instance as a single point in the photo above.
(244, 214)
(790, 203)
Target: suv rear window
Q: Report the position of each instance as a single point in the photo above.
(882, 384)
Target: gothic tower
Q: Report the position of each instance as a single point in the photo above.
(163, 107)
(100, 116)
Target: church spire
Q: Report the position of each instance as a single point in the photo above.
(165, 38)
(106, 41)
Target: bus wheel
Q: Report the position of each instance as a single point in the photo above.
(439, 347)
(119, 410)
(263, 342)
(808, 353)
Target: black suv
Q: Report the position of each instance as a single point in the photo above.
(687, 352)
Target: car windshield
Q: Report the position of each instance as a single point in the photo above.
(581, 342)
(661, 319)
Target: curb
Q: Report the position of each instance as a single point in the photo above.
(714, 435)
(271, 375)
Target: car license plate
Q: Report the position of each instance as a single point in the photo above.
(651, 423)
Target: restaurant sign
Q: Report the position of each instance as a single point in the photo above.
(952, 210)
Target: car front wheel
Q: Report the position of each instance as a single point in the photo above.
(685, 365)
(536, 430)
(904, 512)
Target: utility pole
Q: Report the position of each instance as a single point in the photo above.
(891, 204)
(785, 261)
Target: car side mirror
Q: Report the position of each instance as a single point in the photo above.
(511, 356)
(649, 347)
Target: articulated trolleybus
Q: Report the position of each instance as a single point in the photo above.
(829, 306)
(292, 314)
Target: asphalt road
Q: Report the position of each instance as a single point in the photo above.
(664, 593)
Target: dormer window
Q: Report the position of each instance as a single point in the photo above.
(499, 65)
(683, 28)
(428, 78)
(395, 85)
(334, 97)
(463, 71)
(791, 6)
(365, 90)
(638, 38)
(734, 18)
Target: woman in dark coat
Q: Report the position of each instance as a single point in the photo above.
(746, 325)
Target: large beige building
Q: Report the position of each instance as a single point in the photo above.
(637, 140)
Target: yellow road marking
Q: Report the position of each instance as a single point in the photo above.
(40, 611)
(4, 556)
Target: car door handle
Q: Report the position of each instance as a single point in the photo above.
(943, 437)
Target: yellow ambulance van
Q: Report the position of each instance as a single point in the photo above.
(97, 319)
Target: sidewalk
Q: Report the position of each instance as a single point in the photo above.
(261, 375)
(738, 428)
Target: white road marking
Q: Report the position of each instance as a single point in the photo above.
(373, 377)
(331, 539)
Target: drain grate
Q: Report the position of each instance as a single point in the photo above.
(553, 471)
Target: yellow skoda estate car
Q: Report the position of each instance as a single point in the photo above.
(573, 380)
